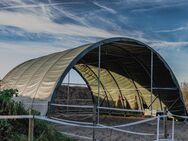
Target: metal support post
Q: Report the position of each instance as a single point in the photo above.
(96, 110)
(94, 121)
(158, 127)
(173, 129)
(68, 91)
(98, 100)
(165, 124)
(31, 127)
(151, 85)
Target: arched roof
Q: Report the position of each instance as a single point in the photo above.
(125, 73)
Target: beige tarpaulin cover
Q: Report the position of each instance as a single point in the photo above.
(125, 74)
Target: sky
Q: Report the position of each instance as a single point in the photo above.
(32, 28)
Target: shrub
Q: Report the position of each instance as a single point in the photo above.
(17, 129)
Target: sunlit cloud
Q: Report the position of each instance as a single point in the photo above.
(38, 24)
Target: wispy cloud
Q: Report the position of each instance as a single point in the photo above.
(176, 58)
(105, 8)
(55, 26)
(38, 24)
(167, 44)
(173, 30)
(70, 15)
(21, 4)
(38, 18)
(145, 5)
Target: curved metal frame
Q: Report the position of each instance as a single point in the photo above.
(100, 82)
(119, 39)
(89, 48)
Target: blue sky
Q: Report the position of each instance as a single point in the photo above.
(31, 28)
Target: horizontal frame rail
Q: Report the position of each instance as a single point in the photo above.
(73, 106)
(103, 108)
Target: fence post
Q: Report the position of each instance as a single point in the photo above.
(158, 127)
(31, 127)
(165, 124)
(173, 129)
(94, 121)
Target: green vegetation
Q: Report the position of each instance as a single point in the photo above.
(17, 130)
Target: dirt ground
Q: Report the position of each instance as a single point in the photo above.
(181, 130)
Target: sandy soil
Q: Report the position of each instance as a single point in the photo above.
(181, 130)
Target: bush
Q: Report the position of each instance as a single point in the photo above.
(17, 129)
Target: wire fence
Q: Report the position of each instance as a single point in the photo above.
(117, 128)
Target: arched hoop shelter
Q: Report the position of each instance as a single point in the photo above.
(130, 71)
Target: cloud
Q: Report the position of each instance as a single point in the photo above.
(21, 4)
(172, 30)
(61, 12)
(105, 8)
(13, 54)
(176, 58)
(145, 5)
(167, 44)
(28, 47)
(175, 54)
(42, 24)
(91, 25)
